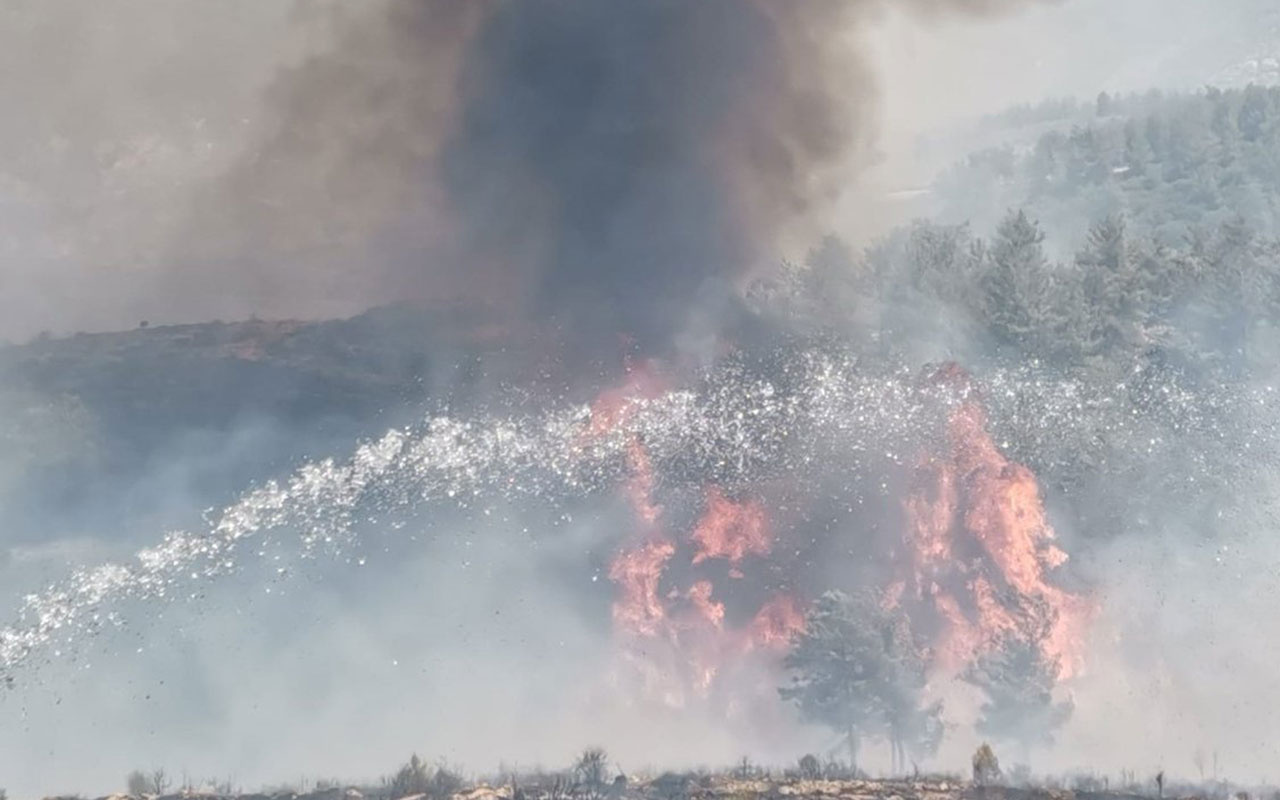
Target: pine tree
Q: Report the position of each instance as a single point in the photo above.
(1018, 287)
(1104, 104)
(858, 669)
(412, 779)
(1115, 296)
(1238, 290)
(836, 664)
(1137, 150)
(1018, 679)
(1254, 113)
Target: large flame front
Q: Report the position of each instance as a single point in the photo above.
(982, 551)
(974, 570)
(681, 634)
(677, 636)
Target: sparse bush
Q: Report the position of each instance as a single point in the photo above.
(413, 778)
(445, 782)
(591, 769)
(810, 767)
(560, 788)
(1129, 781)
(986, 767)
(746, 771)
(416, 777)
(139, 783)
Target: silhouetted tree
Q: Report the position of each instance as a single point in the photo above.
(986, 767)
(810, 767)
(1103, 106)
(591, 769)
(412, 778)
(858, 669)
(1017, 679)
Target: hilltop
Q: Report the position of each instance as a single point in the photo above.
(214, 406)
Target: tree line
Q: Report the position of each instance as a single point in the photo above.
(860, 669)
(1208, 307)
(1168, 162)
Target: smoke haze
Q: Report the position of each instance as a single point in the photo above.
(603, 166)
(177, 177)
(617, 167)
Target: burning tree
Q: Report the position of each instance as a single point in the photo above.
(858, 668)
(705, 586)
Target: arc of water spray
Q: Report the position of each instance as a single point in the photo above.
(734, 428)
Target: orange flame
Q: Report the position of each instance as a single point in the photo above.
(980, 561)
(679, 640)
(777, 623)
(612, 406)
(973, 500)
(639, 487)
(637, 572)
(693, 620)
(730, 530)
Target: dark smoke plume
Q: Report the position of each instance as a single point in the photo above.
(609, 165)
(633, 155)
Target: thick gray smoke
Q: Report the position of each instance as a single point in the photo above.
(185, 163)
(612, 166)
(614, 150)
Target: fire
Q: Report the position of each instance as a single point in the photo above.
(639, 487)
(641, 380)
(689, 625)
(731, 531)
(983, 552)
(777, 623)
(678, 638)
(977, 566)
(639, 607)
(610, 409)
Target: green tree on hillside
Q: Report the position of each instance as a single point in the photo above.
(1018, 286)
